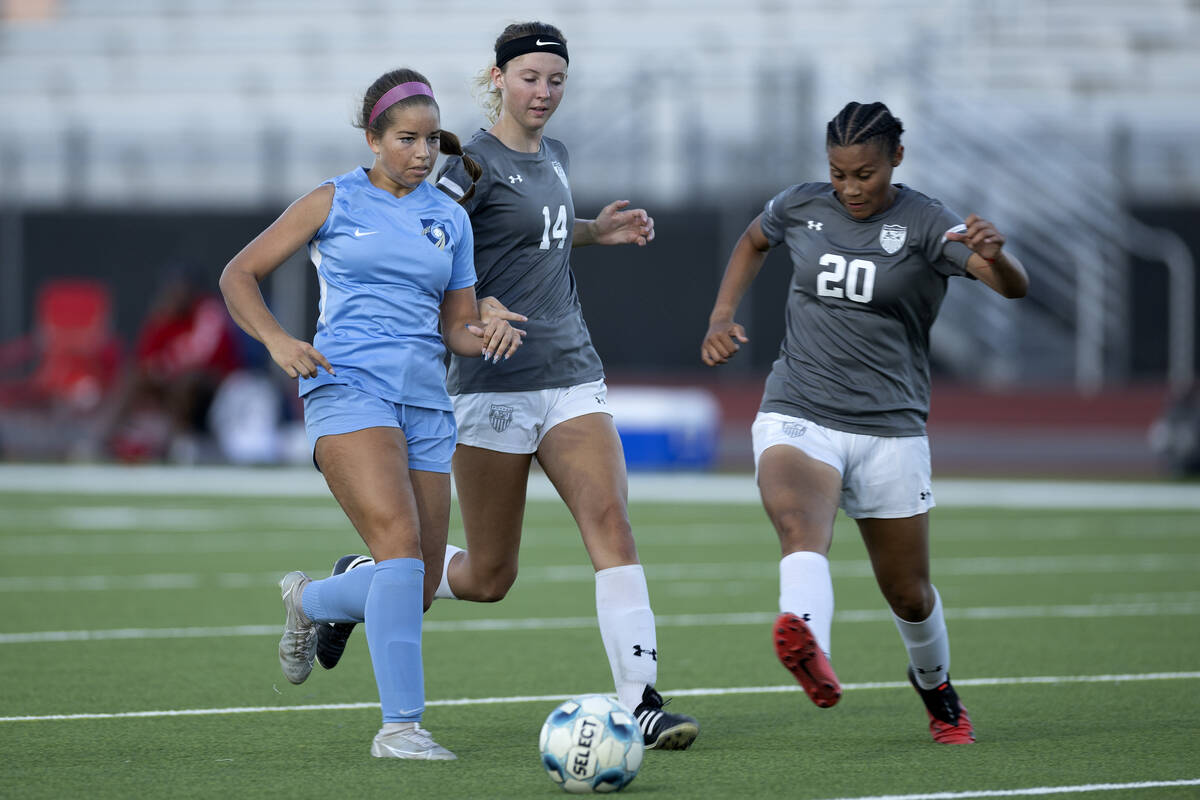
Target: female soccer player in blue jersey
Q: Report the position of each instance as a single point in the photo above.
(550, 400)
(842, 420)
(395, 261)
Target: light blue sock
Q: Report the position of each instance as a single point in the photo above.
(393, 611)
(340, 598)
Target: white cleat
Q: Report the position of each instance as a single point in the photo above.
(409, 741)
(298, 646)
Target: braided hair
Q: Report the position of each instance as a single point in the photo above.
(859, 123)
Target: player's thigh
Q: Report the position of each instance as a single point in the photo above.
(491, 488)
(899, 553)
(800, 494)
(583, 458)
(367, 471)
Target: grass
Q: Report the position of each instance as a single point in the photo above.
(1030, 592)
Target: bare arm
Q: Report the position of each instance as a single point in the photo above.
(465, 335)
(724, 335)
(1000, 271)
(615, 225)
(242, 275)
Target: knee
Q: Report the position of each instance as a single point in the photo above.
(912, 602)
(493, 586)
(800, 529)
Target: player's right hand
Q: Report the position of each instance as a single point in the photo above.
(721, 342)
(298, 358)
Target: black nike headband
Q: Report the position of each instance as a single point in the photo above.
(537, 43)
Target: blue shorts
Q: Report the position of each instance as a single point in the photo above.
(336, 408)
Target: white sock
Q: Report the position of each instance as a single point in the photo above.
(627, 628)
(443, 590)
(928, 645)
(806, 590)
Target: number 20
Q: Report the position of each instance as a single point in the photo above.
(859, 280)
(560, 228)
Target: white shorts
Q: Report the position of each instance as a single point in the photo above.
(516, 422)
(882, 476)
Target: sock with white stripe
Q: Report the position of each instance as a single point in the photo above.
(806, 590)
(928, 645)
(627, 629)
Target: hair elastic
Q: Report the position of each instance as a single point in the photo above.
(395, 95)
(534, 43)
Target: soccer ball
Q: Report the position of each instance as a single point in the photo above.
(591, 744)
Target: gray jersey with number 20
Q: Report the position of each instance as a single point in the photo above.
(863, 296)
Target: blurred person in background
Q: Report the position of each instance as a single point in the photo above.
(185, 348)
(549, 401)
(842, 420)
(395, 261)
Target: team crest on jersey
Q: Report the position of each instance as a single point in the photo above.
(561, 173)
(891, 238)
(435, 232)
(500, 417)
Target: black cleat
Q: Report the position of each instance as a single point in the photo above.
(332, 636)
(949, 722)
(663, 730)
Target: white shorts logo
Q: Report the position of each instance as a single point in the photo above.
(794, 429)
(891, 238)
(500, 417)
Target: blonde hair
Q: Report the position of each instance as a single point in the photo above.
(485, 91)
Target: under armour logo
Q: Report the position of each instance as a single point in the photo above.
(515, 179)
(925, 495)
(806, 617)
(813, 225)
(638, 650)
(600, 401)
(938, 668)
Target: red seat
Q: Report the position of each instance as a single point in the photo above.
(73, 348)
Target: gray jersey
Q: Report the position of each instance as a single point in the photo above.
(523, 218)
(863, 296)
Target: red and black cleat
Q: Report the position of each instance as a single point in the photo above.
(798, 650)
(948, 719)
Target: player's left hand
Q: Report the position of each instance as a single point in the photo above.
(618, 225)
(981, 236)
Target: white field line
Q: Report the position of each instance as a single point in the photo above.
(1083, 611)
(581, 573)
(1031, 791)
(643, 487)
(556, 698)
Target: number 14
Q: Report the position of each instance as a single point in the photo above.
(560, 228)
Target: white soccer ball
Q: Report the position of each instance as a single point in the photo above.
(591, 744)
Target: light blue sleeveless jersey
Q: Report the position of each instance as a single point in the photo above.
(384, 264)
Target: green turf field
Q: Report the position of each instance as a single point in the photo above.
(1075, 634)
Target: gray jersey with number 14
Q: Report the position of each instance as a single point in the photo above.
(523, 219)
(863, 296)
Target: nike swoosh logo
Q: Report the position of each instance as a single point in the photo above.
(359, 234)
(540, 43)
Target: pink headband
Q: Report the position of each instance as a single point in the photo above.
(395, 95)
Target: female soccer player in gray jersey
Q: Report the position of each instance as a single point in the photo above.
(548, 400)
(842, 420)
